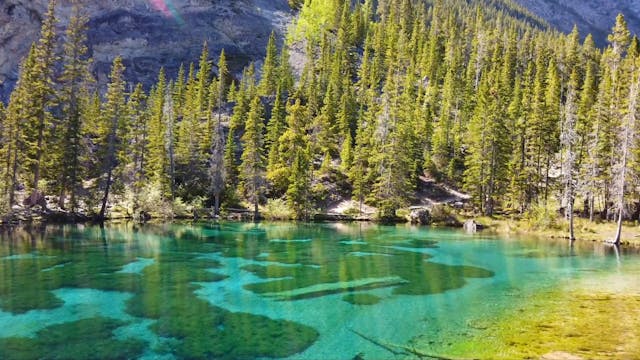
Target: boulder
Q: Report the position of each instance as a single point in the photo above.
(472, 226)
(420, 216)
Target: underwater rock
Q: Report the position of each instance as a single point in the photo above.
(361, 299)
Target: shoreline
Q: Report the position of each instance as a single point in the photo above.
(585, 231)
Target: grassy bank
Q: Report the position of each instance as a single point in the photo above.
(584, 229)
(588, 320)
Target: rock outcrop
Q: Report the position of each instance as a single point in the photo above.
(592, 16)
(148, 34)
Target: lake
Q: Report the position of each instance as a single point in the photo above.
(280, 290)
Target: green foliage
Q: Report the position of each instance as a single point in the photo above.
(276, 209)
(542, 216)
(442, 214)
(391, 90)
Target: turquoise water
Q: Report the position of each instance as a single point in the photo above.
(271, 290)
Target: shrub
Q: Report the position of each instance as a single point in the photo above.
(276, 209)
(442, 214)
(542, 217)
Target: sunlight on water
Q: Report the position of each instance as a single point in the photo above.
(236, 290)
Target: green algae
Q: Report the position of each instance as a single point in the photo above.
(419, 276)
(84, 339)
(561, 323)
(25, 286)
(361, 299)
(205, 331)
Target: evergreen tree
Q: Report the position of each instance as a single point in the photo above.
(156, 163)
(626, 141)
(112, 131)
(41, 92)
(74, 83)
(269, 78)
(253, 162)
(137, 112)
(217, 171)
(18, 113)
(568, 140)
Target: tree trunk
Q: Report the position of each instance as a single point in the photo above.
(103, 209)
(256, 213)
(216, 203)
(572, 236)
(36, 172)
(14, 176)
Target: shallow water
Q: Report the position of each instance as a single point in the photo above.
(234, 290)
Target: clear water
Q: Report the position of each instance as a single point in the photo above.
(271, 290)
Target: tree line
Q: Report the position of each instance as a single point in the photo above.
(480, 96)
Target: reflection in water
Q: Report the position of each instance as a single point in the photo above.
(236, 290)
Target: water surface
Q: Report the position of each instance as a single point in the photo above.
(271, 290)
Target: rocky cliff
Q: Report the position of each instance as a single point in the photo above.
(147, 33)
(592, 16)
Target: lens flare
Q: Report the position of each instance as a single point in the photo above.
(167, 8)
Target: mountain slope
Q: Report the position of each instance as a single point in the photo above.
(592, 16)
(148, 34)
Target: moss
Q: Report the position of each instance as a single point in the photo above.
(206, 331)
(84, 339)
(361, 299)
(25, 286)
(420, 277)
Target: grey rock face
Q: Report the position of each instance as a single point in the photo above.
(592, 16)
(148, 34)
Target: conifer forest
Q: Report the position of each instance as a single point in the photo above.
(481, 96)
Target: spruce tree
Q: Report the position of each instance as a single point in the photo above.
(41, 92)
(112, 131)
(156, 163)
(269, 78)
(74, 82)
(253, 165)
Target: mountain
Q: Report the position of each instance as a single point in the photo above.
(148, 34)
(592, 16)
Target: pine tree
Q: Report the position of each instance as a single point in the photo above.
(269, 78)
(169, 118)
(486, 166)
(568, 140)
(217, 171)
(275, 128)
(627, 141)
(41, 92)
(74, 82)
(137, 112)
(18, 113)
(293, 171)
(394, 172)
(253, 163)
(156, 163)
(112, 130)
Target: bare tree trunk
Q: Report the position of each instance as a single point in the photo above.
(628, 134)
(216, 203)
(105, 198)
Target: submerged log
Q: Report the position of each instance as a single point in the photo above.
(403, 350)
